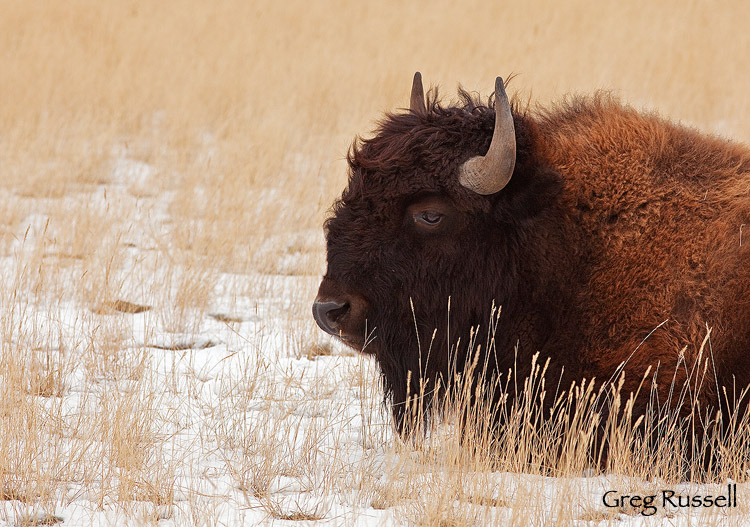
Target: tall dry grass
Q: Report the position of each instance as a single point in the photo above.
(167, 163)
(245, 109)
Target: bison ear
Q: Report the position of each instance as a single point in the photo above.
(417, 104)
(532, 192)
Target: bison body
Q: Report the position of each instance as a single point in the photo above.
(617, 239)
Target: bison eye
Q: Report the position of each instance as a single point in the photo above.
(428, 218)
(430, 214)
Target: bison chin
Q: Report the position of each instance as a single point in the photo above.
(428, 372)
(428, 368)
(420, 358)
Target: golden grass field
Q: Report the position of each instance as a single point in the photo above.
(179, 158)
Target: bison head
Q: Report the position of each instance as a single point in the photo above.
(429, 234)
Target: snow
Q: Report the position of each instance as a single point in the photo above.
(240, 425)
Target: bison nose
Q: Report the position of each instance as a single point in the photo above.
(328, 313)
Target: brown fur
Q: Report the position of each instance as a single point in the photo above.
(616, 226)
(659, 209)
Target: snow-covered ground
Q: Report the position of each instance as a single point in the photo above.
(237, 411)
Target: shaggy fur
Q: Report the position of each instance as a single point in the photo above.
(616, 226)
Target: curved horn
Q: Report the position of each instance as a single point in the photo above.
(490, 173)
(417, 95)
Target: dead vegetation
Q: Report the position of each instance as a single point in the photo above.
(165, 169)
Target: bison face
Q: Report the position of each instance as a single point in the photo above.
(379, 260)
(393, 265)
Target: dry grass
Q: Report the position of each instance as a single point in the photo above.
(165, 168)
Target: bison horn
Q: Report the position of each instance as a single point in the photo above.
(417, 95)
(490, 173)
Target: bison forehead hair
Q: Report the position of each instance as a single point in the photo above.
(593, 225)
(429, 141)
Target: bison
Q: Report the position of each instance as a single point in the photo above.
(611, 238)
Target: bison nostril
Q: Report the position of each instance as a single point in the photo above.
(327, 315)
(334, 314)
